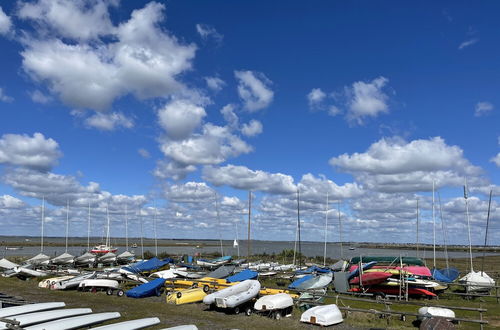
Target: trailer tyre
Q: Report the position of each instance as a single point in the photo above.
(120, 293)
(236, 310)
(206, 288)
(179, 295)
(109, 292)
(248, 311)
(277, 315)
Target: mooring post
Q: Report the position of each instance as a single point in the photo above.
(481, 315)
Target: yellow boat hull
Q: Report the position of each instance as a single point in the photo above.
(186, 296)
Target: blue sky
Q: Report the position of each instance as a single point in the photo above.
(132, 105)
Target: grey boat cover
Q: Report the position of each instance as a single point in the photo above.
(38, 259)
(222, 272)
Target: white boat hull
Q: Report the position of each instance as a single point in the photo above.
(30, 308)
(33, 318)
(131, 325)
(234, 295)
(75, 322)
(322, 315)
(274, 302)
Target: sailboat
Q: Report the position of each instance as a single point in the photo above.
(126, 256)
(476, 281)
(65, 258)
(87, 258)
(41, 258)
(106, 248)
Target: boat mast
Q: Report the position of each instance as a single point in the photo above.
(445, 234)
(88, 231)
(43, 220)
(340, 233)
(433, 230)
(418, 222)
(126, 229)
(156, 237)
(218, 223)
(298, 225)
(468, 224)
(486, 234)
(142, 235)
(238, 244)
(326, 229)
(249, 218)
(67, 224)
(107, 229)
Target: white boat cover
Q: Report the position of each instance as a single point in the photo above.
(131, 325)
(6, 264)
(125, 255)
(429, 312)
(322, 315)
(63, 259)
(75, 322)
(234, 295)
(38, 259)
(274, 301)
(477, 281)
(166, 274)
(85, 258)
(32, 318)
(8, 311)
(107, 258)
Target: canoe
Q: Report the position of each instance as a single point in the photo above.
(186, 296)
(30, 308)
(273, 302)
(98, 283)
(411, 261)
(414, 270)
(429, 312)
(131, 325)
(391, 271)
(322, 315)
(394, 290)
(152, 288)
(234, 295)
(75, 322)
(246, 274)
(371, 278)
(365, 267)
(32, 318)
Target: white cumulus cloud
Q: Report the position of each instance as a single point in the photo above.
(253, 89)
(254, 127)
(180, 118)
(10, 202)
(5, 22)
(109, 122)
(35, 152)
(367, 99)
(207, 31)
(4, 97)
(39, 97)
(315, 97)
(215, 83)
(467, 43)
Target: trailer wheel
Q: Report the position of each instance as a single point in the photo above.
(248, 311)
(179, 294)
(120, 293)
(236, 310)
(206, 288)
(109, 292)
(277, 315)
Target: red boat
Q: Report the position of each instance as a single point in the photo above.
(371, 278)
(103, 249)
(395, 291)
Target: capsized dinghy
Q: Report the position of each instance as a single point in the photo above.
(94, 284)
(186, 296)
(71, 283)
(276, 305)
(429, 312)
(322, 315)
(30, 308)
(75, 322)
(33, 318)
(131, 325)
(234, 295)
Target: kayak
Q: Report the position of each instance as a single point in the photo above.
(371, 278)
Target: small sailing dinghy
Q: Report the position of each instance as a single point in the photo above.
(85, 259)
(101, 284)
(75, 322)
(322, 315)
(71, 283)
(429, 312)
(234, 296)
(33, 318)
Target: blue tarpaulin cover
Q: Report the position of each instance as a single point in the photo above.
(147, 289)
(149, 265)
(446, 275)
(246, 274)
(313, 269)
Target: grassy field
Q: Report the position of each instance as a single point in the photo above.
(171, 315)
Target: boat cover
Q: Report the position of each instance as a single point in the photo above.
(6, 264)
(246, 274)
(450, 273)
(390, 259)
(339, 266)
(222, 272)
(299, 281)
(313, 269)
(149, 265)
(147, 289)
